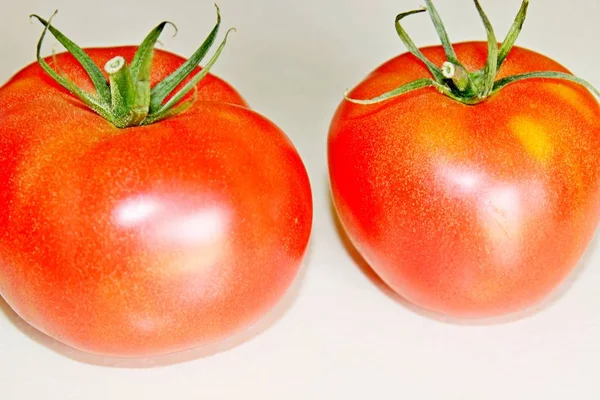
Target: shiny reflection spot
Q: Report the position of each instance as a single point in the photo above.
(135, 211)
(195, 228)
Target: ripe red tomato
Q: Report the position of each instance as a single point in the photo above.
(468, 210)
(149, 239)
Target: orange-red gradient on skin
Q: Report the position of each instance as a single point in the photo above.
(145, 240)
(470, 211)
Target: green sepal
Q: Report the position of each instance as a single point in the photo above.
(469, 88)
(162, 90)
(164, 111)
(127, 98)
(95, 74)
(442, 33)
(513, 33)
(99, 105)
(488, 74)
(412, 47)
(141, 64)
(501, 83)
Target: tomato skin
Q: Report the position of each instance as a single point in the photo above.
(146, 240)
(468, 211)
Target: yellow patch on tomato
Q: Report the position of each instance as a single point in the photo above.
(533, 136)
(574, 98)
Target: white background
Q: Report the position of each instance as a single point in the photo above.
(338, 334)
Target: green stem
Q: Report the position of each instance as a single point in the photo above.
(122, 92)
(452, 79)
(127, 99)
(459, 76)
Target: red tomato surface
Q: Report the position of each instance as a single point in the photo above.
(145, 240)
(469, 211)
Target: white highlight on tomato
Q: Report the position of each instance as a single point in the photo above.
(499, 205)
(199, 227)
(464, 180)
(136, 210)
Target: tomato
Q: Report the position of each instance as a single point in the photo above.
(468, 210)
(152, 238)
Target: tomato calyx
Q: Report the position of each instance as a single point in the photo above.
(126, 99)
(453, 79)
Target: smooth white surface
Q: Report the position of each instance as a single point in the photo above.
(337, 335)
